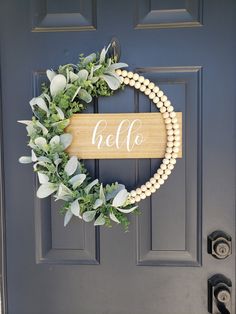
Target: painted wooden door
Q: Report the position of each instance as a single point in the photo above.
(161, 265)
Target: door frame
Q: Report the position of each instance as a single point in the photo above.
(3, 255)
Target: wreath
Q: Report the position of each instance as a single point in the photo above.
(71, 88)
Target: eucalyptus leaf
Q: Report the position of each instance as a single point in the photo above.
(90, 186)
(25, 159)
(58, 84)
(71, 165)
(66, 140)
(120, 198)
(46, 189)
(89, 215)
(100, 220)
(67, 217)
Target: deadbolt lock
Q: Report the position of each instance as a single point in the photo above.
(219, 244)
(219, 294)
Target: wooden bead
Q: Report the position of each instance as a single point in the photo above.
(176, 132)
(152, 95)
(130, 74)
(131, 82)
(141, 79)
(163, 166)
(136, 76)
(175, 126)
(133, 193)
(162, 109)
(168, 172)
(168, 155)
(175, 149)
(168, 121)
(118, 71)
(137, 198)
(177, 137)
(160, 181)
(176, 143)
(160, 171)
(168, 149)
(147, 91)
(156, 185)
(137, 85)
(160, 93)
(172, 161)
(170, 132)
(170, 144)
(165, 161)
(164, 176)
(164, 98)
(148, 193)
(170, 166)
(152, 189)
(152, 180)
(172, 114)
(143, 196)
(167, 103)
(124, 73)
(174, 120)
(156, 89)
(170, 138)
(143, 188)
(126, 80)
(138, 191)
(146, 82)
(159, 104)
(174, 155)
(156, 100)
(168, 126)
(151, 85)
(156, 176)
(165, 115)
(142, 88)
(148, 184)
(132, 200)
(170, 108)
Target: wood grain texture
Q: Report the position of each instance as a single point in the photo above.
(123, 135)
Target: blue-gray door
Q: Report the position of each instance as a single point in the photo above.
(161, 266)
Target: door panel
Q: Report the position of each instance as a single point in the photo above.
(161, 265)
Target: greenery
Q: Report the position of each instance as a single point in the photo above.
(71, 88)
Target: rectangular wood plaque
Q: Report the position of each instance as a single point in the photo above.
(119, 135)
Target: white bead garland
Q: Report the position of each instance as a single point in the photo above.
(172, 129)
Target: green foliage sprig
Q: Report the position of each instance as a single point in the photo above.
(71, 88)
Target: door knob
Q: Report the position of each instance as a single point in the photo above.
(219, 244)
(219, 294)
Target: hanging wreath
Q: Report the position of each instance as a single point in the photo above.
(71, 87)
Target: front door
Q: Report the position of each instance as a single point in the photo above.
(162, 265)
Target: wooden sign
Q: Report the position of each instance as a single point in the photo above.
(122, 135)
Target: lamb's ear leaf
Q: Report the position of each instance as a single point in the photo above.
(111, 81)
(102, 194)
(100, 220)
(66, 140)
(120, 198)
(50, 74)
(97, 203)
(83, 75)
(46, 189)
(67, 217)
(75, 208)
(89, 58)
(90, 185)
(126, 211)
(71, 165)
(113, 217)
(84, 95)
(25, 159)
(89, 215)
(58, 84)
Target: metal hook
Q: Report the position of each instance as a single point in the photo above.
(114, 50)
